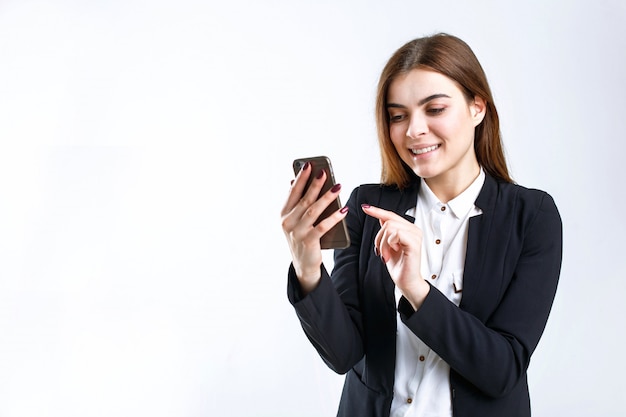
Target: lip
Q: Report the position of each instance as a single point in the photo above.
(422, 150)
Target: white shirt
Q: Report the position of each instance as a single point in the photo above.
(422, 378)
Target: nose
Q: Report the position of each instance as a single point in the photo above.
(417, 126)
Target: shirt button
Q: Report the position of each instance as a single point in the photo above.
(433, 276)
(438, 241)
(422, 358)
(409, 400)
(443, 208)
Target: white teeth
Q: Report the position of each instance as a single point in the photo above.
(424, 150)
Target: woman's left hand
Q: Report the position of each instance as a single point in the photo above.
(399, 244)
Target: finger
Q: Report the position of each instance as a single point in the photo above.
(408, 242)
(380, 214)
(329, 222)
(387, 246)
(297, 203)
(297, 188)
(382, 237)
(379, 241)
(394, 241)
(397, 236)
(313, 191)
(308, 209)
(315, 210)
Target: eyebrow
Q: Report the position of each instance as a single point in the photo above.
(421, 102)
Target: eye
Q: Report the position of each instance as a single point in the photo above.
(435, 110)
(395, 118)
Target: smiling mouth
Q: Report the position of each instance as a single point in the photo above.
(424, 150)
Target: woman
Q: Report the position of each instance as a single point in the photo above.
(439, 302)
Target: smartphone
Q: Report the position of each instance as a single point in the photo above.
(337, 237)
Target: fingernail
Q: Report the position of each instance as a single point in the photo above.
(365, 206)
(320, 174)
(335, 188)
(306, 166)
(382, 258)
(344, 210)
(292, 182)
(376, 251)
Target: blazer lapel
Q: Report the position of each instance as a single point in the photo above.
(408, 200)
(477, 240)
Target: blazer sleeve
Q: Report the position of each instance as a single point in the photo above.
(493, 353)
(330, 314)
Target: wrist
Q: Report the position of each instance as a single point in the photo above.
(416, 296)
(309, 280)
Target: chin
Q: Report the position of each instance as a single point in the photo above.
(423, 172)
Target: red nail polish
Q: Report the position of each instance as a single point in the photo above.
(365, 206)
(320, 174)
(306, 166)
(344, 209)
(335, 188)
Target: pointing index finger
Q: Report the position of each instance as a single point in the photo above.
(378, 213)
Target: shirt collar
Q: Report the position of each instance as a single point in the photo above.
(461, 204)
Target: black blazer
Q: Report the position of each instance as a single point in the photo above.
(511, 272)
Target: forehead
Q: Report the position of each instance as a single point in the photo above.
(420, 83)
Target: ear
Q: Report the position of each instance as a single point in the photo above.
(478, 109)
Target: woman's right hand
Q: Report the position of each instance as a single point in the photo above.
(298, 217)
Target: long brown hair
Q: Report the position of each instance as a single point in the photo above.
(452, 57)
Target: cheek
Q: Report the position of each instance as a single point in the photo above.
(442, 126)
(451, 129)
(397, 133)
(397, 138)
(463, 122)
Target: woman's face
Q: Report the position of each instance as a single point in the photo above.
(431, 124)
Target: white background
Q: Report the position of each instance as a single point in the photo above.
(145, 151)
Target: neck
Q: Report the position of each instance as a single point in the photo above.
(449, 187)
